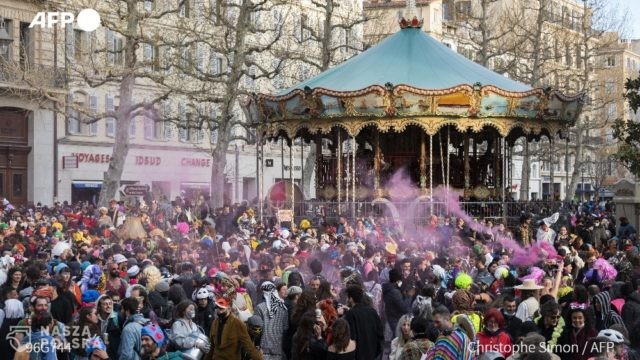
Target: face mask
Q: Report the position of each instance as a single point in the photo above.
(399, 283)
(376, 260)
(191, 314)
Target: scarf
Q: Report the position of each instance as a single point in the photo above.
(271, 298)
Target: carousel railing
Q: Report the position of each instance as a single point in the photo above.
(417, 213)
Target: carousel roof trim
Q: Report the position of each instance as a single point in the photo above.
(409, 57)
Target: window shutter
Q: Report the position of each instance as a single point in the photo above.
(110, 46)
(110, 121)
(213, 133)
(73, 125)
(147, 55)
(215, 65)
(148, 128)
(168, 126)
(148, 5)
(93, 106)
(182, 130)
(71, 42)
(132, 128)
(199, 9)
(199, 57)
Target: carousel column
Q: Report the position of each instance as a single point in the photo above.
(431, 171)
(293, 186)
(376, 163)
(320, 176)
(353, 177)
(502, 184)
(497, 152)
(467, 180)
(339, 174)
(423, 164)
(552, 165)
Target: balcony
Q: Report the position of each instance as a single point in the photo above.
(34, 78)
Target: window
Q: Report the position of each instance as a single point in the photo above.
(151, 57)
(609, 87)
(115, 48)
(110, 122)
(578, 56)
(78, 47)
(567, 55)
(8, 26)
(612, 111)
(199, 57)
(215, 63)
(81, 113)
(610, 61)
(26, 45)
(609, 136)
(148, 5)
(184, 10)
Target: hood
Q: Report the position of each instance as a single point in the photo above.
(604, 299)
(389, 287)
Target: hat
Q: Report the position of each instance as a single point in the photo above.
(529, 284)
(162, 286)
(222, 303)
(95, 343)
(119, 258)
(294, 290)
(154, 332)
(60, 248)
(133, 271)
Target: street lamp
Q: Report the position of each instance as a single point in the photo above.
(5, 38)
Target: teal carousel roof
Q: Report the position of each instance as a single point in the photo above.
(412, 58)
(412, 79)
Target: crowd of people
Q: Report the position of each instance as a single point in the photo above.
(182, 281)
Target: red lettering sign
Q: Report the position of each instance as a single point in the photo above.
(195, 162)
(92, 158)
(148, 160)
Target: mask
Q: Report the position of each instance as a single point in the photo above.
(399, 283)
(376, 260)
(191, 314)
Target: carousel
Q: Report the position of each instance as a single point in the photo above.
(410, 104)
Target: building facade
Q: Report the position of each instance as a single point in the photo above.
(51, 154)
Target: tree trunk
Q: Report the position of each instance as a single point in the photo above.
(113, 175)
(577, 164)
(526, 167)
(218, 177)
(309, 166)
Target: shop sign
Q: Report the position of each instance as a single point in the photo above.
(148, 160)
(92, 158)
(195, 162)
(69, 162)
(135, 190)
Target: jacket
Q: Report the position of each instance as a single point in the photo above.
(205, 316)
(130, 342)
(581, 340)
(366, 328)
(631, 309)
(181, 329)
(234, 337)
(607, 316)
(494, 342)
(512, 325)
(273, 329)
(394, 304)
(43, 347)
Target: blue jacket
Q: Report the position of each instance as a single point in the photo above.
(42, 344)
(130, 342)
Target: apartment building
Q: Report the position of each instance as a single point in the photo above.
(56, 154)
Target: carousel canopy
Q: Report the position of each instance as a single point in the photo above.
(409, 57)
(411, 79)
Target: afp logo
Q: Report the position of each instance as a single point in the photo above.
(88, 19)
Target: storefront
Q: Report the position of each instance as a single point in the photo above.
(168, 173)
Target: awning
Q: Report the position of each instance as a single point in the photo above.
(190, 185)
(87, 184)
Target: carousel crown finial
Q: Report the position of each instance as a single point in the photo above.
(410, 18)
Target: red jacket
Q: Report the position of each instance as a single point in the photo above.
(500, 342)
